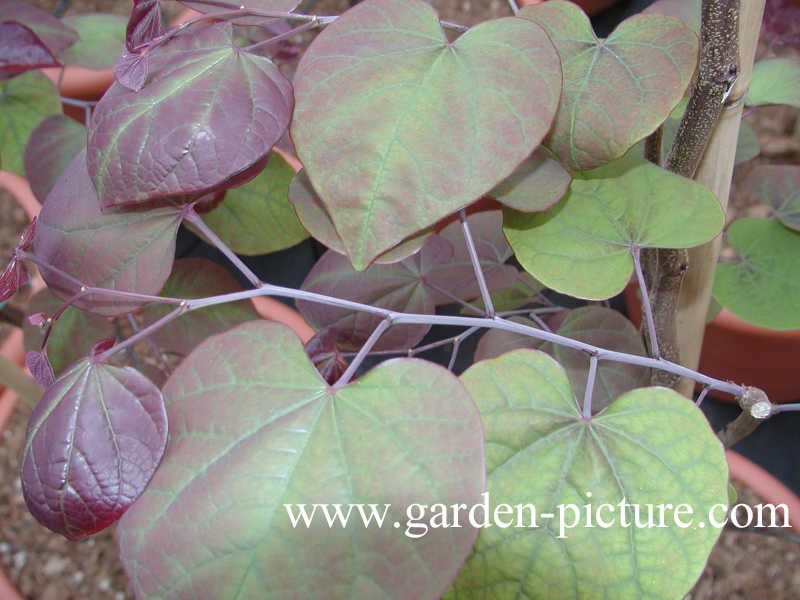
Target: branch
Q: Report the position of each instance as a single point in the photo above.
(476, 264)
(718, 68)
(756, 408)
(362, 353)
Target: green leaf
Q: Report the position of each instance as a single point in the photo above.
(687, 11)
(254, 427)
(764, 288)
(582, 246)
(775, 81)
(431, 125)
(24, 101)
(617, 90)
(537, 184)
(524, 290)
(315, 218)
(650, 447)
(257, 217)
(101, 40)
(778, 186)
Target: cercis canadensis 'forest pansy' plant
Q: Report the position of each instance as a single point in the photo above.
(404, 125)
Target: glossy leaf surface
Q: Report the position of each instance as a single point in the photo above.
(432, 126)
(775, 81)
(128, 251)
(24, 101)
(195, 127)
(617, 90)
(537, 184)
(257, 217)
(541, 452)
(763, 288)
(101, 40)
(74, 333)
(197, 278)
(55, 35)
(315, 218)
(253, 427)
(93, 442)
(51, 147)
(581, 246)
(778, 186)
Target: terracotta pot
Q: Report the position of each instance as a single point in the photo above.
(734, 350)
(765, 485)
(590, 6)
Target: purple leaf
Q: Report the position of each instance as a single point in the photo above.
(56, 36)
(21, 50)
(40, 368)
(51, 147)
(13, 277)
(131, 70)
(37, 319)
(101, 346)
(144, 24)
(197, 278)
(206, 119)
(397, 286)
(253, 427)
(325, 355)
(122, 250)
(781, 24)
(93, 442)
(457, 275)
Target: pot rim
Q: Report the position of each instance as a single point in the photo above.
(763, 483)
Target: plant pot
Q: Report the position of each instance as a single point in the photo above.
(770, 489)
(738, 351)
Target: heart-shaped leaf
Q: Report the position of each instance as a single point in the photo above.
(617, 90)
(775, 81)
(764, 287)
(537, 184)
(74, 333)
(51, 147)
(257, 217)
(24, 101)
(582, 246)
(56, 36)
(315, 218)
(198, 125)
(431, 125)
(197, 278)
(650, 448)
(254, 428)
(102, 39)
(21, 50)
(778, 186)
(130, 251)
(93, 442)
(397, 286)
